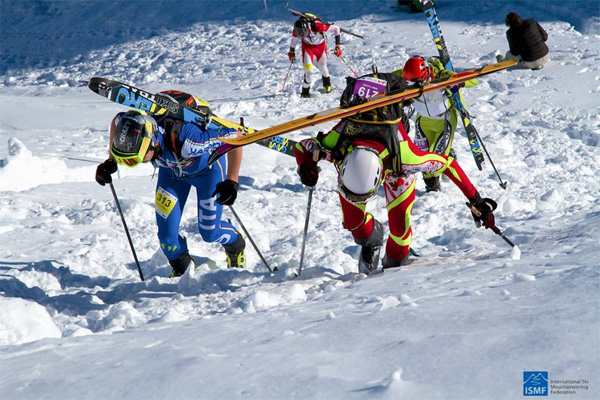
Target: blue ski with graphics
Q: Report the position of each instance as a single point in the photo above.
(174, 104)
(457, 99)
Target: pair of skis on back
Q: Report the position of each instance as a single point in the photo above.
(344, 112)
(314, 18)
(162, 105)
(475, 142)
(440, 44)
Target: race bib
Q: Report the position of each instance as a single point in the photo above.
(368, 87)
(164, 202)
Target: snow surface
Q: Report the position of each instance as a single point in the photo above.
(463, 322)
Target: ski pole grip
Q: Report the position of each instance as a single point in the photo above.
(474, 209)
(316, 155)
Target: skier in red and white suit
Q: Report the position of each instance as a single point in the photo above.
(314, 48)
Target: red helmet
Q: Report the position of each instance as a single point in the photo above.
(416, 69)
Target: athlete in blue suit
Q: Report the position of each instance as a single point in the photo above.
(180, 150)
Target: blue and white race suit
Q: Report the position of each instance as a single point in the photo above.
(177, 173)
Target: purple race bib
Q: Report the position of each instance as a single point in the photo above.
(368, 87)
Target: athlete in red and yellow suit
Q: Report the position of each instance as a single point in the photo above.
(314, 48)
(399, 189)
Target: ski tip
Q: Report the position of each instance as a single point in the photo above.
(219, 152)
(413, 252)
(93, 84)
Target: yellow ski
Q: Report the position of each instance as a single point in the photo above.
(369, 104)
(282, 145)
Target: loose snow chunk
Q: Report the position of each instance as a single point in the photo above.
(389, 302)
(515, 253)
(552, 200)
(171, 316)
(120, 317)
(21, 170)
(295, 294)
(468, 292)
(263, 300)
(407, 301)
(23, 321)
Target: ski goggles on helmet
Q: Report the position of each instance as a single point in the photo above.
(135, 135)
(355, 197)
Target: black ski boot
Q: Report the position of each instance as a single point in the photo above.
(327, 86)
(432, 184)
(389, 263)
(181, 264)
(305, 93)
(236, 257)
(369, 254)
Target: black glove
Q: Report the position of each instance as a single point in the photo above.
(482, 211)
(292, 54)
(104, 172)
(227, 191)
(355, 101)
(309, 173)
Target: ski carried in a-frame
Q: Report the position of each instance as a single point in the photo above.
(161, 104)
(345, 111)
(440, 44)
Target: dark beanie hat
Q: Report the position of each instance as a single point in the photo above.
(512, 18)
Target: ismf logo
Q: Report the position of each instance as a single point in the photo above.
(535, 383)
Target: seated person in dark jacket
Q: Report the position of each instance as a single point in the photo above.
(526, 41)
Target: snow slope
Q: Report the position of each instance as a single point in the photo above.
(463, 322)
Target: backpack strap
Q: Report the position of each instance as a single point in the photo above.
(172, 130)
